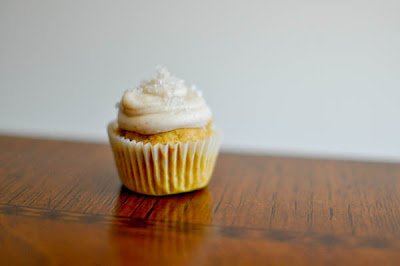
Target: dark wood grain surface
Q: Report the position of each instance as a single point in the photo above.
(61, 203)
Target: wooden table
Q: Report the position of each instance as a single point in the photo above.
(62, 203)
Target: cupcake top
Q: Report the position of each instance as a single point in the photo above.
(162, 104)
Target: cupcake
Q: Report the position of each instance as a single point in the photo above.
(164, 141)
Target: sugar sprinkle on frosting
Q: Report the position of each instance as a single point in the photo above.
(162, 104)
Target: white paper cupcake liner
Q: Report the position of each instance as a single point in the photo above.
(164, 169)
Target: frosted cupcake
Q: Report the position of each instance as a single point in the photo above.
(164, 141)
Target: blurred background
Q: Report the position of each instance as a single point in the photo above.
(314, 78)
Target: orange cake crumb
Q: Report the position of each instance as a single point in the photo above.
(174, 136)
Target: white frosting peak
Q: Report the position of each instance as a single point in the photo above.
(162, 104)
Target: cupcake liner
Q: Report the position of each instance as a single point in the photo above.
(164, 169)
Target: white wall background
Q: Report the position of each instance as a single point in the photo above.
(304, 77)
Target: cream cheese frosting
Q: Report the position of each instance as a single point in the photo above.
(162, 104)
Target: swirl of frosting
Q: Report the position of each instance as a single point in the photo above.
(162, 104)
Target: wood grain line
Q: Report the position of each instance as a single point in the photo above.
(150, 211)
(137, 206)
(126, 223)
(66, 195)
(17, 194)
(350, 216)
(220, 201)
